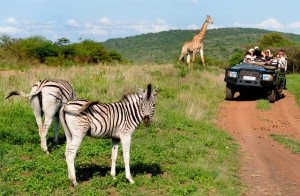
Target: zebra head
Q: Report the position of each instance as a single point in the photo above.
(147, 104)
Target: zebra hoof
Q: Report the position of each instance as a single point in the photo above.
(131, 181)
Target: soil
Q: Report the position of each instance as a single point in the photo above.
(266, 166)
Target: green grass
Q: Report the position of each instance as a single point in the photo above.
(288, 142)
(293, 81)
(181, 153)
(263, 104)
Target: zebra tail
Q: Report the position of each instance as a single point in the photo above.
(20, 93)
(83, 108)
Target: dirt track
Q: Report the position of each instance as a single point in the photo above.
(267, 168)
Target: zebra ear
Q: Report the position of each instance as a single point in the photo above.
(139, 90)
(155, 91)
(149, 89)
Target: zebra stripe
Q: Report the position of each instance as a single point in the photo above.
(106, 120)
(46, 97)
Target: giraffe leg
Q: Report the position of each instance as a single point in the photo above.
(188, 59)
(180, 58)
(202, 56)
(184, 51)
(193, 58)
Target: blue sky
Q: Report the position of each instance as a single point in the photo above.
(101, 20)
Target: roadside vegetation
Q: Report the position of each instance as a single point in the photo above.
(181, 153)
(263, 104)
(288, 142)
(293, 81)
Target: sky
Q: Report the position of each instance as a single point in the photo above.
(100, 20)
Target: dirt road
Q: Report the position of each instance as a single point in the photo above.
(267, 168)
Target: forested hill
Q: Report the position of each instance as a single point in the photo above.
(165, 47)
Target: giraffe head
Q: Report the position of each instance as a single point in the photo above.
(209, 20)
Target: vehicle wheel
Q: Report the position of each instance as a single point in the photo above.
(272, 96)
(229, 92)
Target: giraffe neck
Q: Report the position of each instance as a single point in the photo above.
(199, 36)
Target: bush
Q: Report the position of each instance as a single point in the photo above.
(61, 52)
(38, 48)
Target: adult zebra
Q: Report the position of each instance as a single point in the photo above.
(117, 121)
(47, 97)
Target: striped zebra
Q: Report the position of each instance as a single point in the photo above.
(117, 121)
(46, 98)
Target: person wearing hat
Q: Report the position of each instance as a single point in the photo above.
(257, 52)
(250, 57)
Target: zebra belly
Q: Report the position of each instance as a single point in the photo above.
(103, 133)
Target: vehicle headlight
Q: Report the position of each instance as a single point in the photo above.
(267, 77)
(232, 74)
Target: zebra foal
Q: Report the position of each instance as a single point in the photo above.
(117, 121)
(47, 97)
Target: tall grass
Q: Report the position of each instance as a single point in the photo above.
(181, 153)
(293, 81)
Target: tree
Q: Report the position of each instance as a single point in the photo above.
(273, 40)
(236, 57)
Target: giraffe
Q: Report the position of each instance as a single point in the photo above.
(195, 45)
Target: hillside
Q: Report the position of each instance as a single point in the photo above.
(164, 47)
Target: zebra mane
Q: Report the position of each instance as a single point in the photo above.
(127, 97)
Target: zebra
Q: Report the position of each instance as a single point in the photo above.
(46, 98)
(116, 121)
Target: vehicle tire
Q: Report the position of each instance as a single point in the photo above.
(229, 92)
(272, 96)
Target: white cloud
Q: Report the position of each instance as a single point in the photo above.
(273, 25)
(270, 23)
(72, 23)
(104, 20)
(91, 29)
(295, 25)
(9, 30)
(153, 27)
(11, 21)
(193, 27)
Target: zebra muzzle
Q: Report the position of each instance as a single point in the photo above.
(146, 120)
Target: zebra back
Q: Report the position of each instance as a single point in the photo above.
(60, 89)
(106, 119)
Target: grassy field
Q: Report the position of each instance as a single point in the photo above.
(181, 153)
(293, 81)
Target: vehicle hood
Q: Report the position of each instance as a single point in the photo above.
(248, 66)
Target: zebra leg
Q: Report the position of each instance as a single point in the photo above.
(37, 110)
(114, 155)
(56, 120)
(126, 140)
(43, 134)
(70, 153)
(50, 108)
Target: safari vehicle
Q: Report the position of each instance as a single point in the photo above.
(253, 78)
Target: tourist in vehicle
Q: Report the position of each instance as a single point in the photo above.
(250, 57)
(282, 64)
(257, 52)
(267, 55)
(282, 61)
